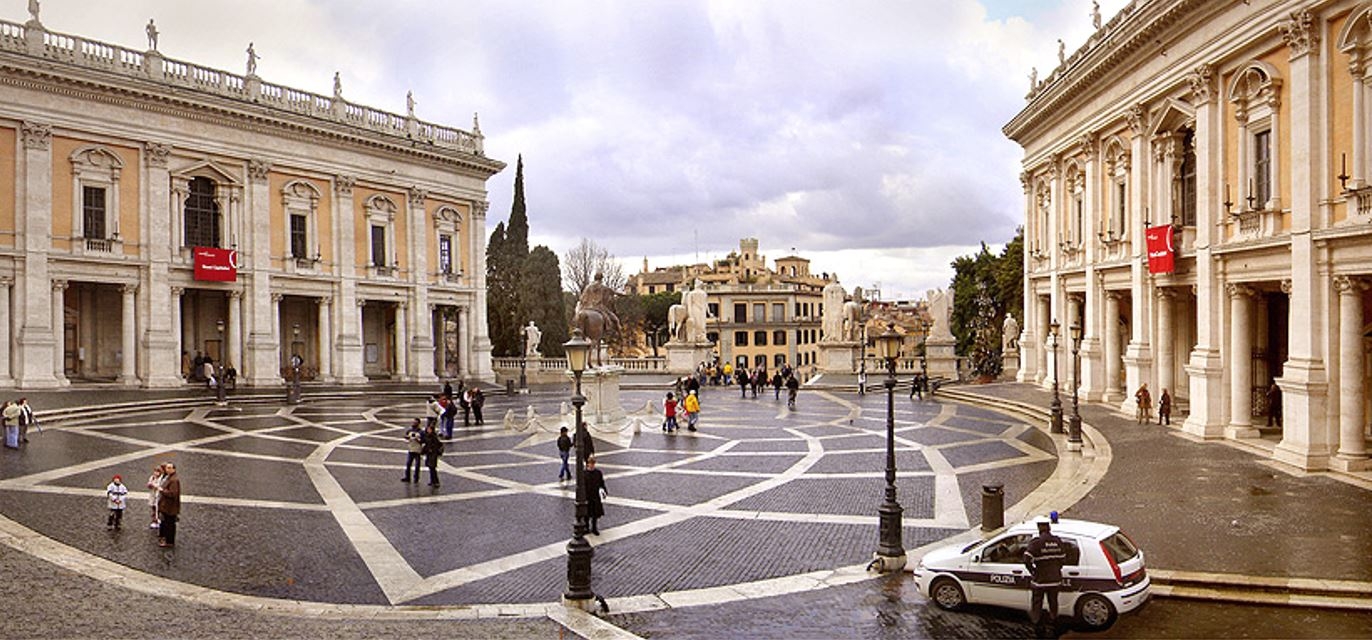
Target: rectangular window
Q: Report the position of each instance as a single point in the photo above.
(759, 312)
(1188, 180)
(740, 338)
(713, 310)
(778, 312)
(445, 254)
(760, 338)
(299, 241)
(93, 212)
(740, 312)
(1262, 168)
(798, 313)
(379, 246)
(779, 338)
(1080, 207)
(1121, 200)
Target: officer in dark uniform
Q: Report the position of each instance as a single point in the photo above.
(1044, 556)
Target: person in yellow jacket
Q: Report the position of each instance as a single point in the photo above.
(692, 410)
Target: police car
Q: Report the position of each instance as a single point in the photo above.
(1104, 574)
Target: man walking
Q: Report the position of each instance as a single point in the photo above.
(25, 419)
(414, 445)
(1044, 556)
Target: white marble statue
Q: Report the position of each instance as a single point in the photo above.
(152, 35)
(697, 309)
(409, 103)
(252, 60)
(1062, 52)
(532, 337)
(1009, 334)
(940, 305)
(677, 318)
(33, 10)
(852, 321)
(831, 323)
(1095, 14)
(337, 86)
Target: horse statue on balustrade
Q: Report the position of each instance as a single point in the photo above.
(677, 317)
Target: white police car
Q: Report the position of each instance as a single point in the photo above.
(1104, 572)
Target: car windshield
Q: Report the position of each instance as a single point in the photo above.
(1120, 547)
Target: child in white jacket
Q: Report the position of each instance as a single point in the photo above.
(117, 495)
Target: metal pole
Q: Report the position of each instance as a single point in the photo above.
(1055, 425)
(1074, 426)
(890, 549)
(579, 551)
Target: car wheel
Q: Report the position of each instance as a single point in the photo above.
(947, 594)
(1095, 611)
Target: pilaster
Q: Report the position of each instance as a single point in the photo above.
(36, 349)
(421, 346)
(1205, 369)
(263, 365)
(480, 347)
(160, 357)
(348, 310)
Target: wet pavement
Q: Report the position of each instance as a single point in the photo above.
(762, 495)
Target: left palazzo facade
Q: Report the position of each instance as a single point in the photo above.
(153, 209)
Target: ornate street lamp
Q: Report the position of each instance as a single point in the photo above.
(1074, 425)
(219, 395)
(1055, 423)
(890, 554)
(579, 551)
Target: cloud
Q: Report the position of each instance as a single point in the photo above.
(862, 128)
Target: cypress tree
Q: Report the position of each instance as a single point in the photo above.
(499, 294)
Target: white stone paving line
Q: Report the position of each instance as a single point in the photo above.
(1060, 488)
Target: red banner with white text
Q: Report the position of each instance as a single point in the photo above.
(216, 265)
(1160, 253)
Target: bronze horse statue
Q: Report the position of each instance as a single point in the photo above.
(594, 326)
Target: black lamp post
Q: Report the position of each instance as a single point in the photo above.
(219, 395)
(1074, 425)
(924, 326)
(293, 392)
(1055, 424)
(579, 551)
(890, 551)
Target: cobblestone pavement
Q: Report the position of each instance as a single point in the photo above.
(1208, 507)
(306, 503)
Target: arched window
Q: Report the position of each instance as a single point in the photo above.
(202, 214)
(1256, 95)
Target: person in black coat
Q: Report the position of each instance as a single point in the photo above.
(432, 448)
(595, 491)
(478, 401)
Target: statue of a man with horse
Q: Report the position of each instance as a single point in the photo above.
(595, 314)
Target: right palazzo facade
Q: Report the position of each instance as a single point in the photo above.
(1242, 129)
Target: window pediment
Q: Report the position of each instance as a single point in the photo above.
(208, 169)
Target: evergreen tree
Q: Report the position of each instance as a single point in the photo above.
(984, 356)
(517, 231)
(506, 259)
(987, 287)
(541, 298)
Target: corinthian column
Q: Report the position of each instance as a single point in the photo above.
(1352, 452)
(1240, 362)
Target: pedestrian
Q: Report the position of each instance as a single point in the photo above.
(185, 365)
(9, 417)
(414, 447)
(432, 448)
(169, 505)
(466, 404)
(448, 388)
(432, 410)
(792, 386)
(759, 379)
(564, 451)
(862, 382)
(1274, 405)
(197, 367)
(26, 419)
(155, 493)
(777, 383)
(669, 413)
(595, 493)
(917, 386)
(117, 496)
(741, 377)
(478, 401)
(1165, 408)
(1044, 557)
(1145, 401)
(692, 410)
(445, 419)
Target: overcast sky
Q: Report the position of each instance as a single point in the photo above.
(864, 135)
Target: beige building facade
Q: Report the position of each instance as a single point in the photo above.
(1243, 130)
(152, 209)
(758, 316)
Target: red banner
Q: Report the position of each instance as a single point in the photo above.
(1160, 253)
(218, 265)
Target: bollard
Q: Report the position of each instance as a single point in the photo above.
(992, 506)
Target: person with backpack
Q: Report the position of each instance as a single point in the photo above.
(414, 446)
(792, 388)
(445, 419)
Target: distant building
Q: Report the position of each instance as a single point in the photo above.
(758, 316)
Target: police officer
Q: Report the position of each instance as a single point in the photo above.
(1044, 556)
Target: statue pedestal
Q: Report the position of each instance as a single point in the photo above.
(1009, 364)
(942, 357)
(601, 388)
(838, 357)
(682, 357)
